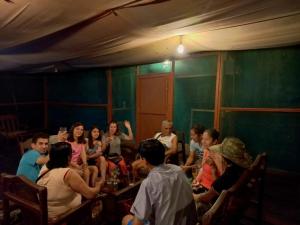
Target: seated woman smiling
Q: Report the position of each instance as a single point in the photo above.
(64, 185)
(213, 164)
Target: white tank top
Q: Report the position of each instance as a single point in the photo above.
(165, 140)
(61, 197)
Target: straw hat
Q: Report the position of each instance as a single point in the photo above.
(233, 149)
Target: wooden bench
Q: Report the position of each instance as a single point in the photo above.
(31, 199)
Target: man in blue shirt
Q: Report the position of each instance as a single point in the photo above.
(32, 160)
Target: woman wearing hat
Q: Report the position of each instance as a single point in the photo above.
(234, 153)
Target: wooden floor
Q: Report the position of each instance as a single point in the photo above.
(282, 190)
(281, 200)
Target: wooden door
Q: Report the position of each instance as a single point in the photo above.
(154, 103)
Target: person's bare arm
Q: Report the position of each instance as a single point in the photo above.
(191, 158)
(75, 165)
(42, 160)
(130, 134)
(83, 156)
(106, 142)
(78, 185)
(206, 197)
(94, 155)
(173, 148)
(97, 153)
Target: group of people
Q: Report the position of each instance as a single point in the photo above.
(70, 170)
(166, 196)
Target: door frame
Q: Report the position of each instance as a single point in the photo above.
(170, 97)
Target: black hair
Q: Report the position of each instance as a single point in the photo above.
(59, 155)
(90, 138)
(198, 129)
(39, 135)
(81, 139)
(153, 151)
(213, 133)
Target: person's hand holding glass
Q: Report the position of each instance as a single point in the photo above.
(62, 134)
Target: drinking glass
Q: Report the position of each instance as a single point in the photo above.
(62, 129)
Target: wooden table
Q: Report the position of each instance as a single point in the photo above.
(112, 203)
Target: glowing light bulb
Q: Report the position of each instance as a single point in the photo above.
(180, 49)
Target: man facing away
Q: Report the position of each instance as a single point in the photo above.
(165, 196)
(34, 158)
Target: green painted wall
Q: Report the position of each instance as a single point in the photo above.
(161, 67)
(123, 92)
(194, 92)
(264, 78)
(87, 86)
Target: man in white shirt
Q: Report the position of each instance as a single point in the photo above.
(169, 140)
(165, 196)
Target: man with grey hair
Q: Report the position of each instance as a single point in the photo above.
(169, 140)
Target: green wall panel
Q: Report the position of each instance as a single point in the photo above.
(162, 67)
(194, 92)
(88, 86)
(123, 94)
(66, 116)
(275, 133)
(205, 66)
(262, 78)
(204, 118)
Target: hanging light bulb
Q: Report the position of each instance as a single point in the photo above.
(180, 47)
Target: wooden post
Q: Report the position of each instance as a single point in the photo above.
(109, 95)
(218, 91)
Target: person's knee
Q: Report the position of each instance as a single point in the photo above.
(102, 159)
(87, 172)
(126, 219)
(95, 169)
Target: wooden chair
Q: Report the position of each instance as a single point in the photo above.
(216, 214)
(231, 205)
(259, 167)
(10, 127)
(181, 145)
(31, 199)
